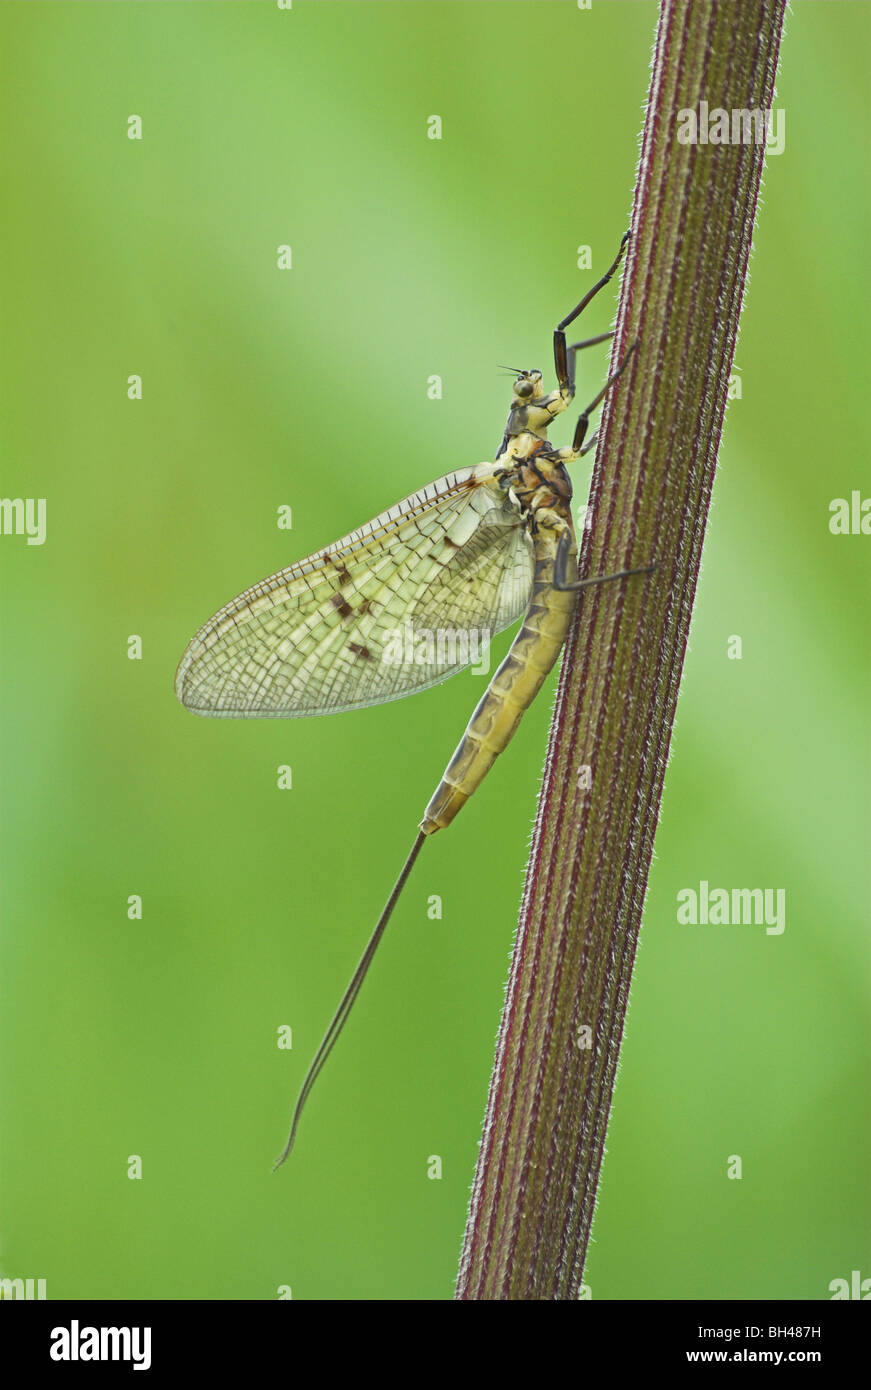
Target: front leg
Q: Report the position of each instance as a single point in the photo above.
(564, 373)
(584, 417)
(578, 347)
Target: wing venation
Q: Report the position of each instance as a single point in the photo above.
(398, 605)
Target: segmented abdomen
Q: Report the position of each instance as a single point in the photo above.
(512, 689)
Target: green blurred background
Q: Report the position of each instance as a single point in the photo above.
(308, 388)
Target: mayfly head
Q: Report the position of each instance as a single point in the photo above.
(528, 385)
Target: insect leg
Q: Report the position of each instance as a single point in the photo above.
(576, 347)
(563, 551)
(565, 379)
(590, 444)
(584, 417)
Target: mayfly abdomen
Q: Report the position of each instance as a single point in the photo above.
(513, 688)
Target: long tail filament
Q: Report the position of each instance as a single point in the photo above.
(332, 1034)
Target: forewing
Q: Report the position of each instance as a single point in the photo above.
(394, 607)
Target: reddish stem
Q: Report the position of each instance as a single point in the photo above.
(550, 1095)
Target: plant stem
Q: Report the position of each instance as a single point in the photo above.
(550, 1096)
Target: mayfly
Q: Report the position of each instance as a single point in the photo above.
(473, 551)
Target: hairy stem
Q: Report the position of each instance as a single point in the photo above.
(550, 1095)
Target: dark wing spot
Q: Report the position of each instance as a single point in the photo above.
(363, 652)
(452, 545)
(339, 567)
(364, 606)
(340, 603)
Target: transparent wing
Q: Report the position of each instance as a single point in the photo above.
(394, 607)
